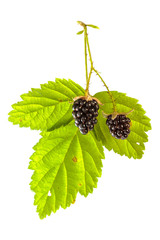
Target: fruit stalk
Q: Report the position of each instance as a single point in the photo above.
(88, 78)
(110, 94)
(85, 52)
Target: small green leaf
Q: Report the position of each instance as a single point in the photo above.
(63, 164)
(47, 107)
(93, 26)
(80, 32)
(133, 146)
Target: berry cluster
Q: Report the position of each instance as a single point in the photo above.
(85, 113)
(119, 127)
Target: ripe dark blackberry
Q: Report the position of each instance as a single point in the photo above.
(119, 127)
(85, 113)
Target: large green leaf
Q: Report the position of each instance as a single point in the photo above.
(133, 146)
(64, 162)
(48, 107)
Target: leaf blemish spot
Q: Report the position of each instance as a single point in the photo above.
(74, 159)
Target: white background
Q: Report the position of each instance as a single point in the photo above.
(38, 42)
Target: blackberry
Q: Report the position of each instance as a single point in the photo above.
(85, 113)
(119, 127)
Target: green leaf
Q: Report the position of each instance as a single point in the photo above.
(47, 107)
(133, 146)
(63, 164)
(80, 32)
(93, 26)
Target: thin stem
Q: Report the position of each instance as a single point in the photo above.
(110, 94)
(85, 52)
(89, 78)
(89, 52)
(86, 46)
(93, 69)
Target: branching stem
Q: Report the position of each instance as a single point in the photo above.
(88, 78)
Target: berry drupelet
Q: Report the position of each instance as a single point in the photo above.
(85, 113)
(119, 127)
